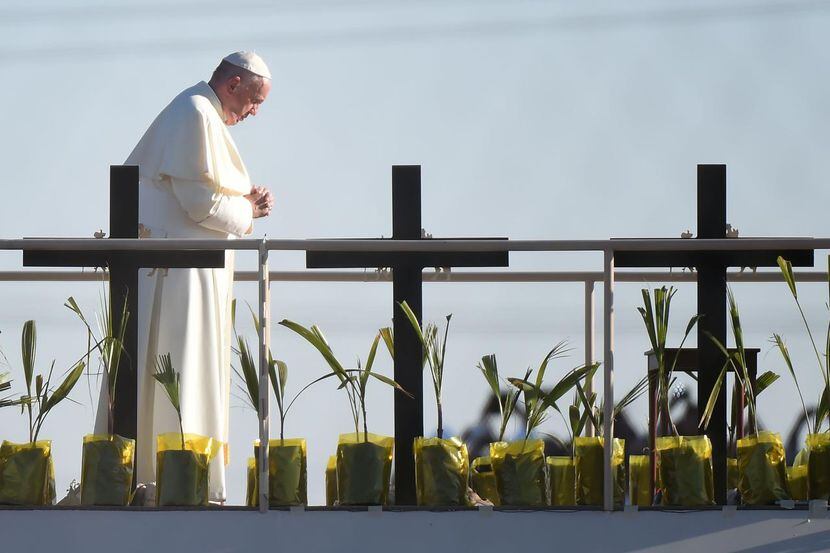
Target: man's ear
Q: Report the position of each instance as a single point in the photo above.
(234, 82)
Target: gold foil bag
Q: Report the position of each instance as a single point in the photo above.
(521, 472)
(107, 466)
(442, 468)
(364, 465)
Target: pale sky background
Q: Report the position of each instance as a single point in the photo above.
(530, 120)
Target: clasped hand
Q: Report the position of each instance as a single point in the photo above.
(262, 201)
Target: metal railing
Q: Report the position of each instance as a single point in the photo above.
(608, 277)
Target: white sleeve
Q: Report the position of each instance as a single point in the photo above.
(213, 210)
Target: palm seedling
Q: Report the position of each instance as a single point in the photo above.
(43, 397)
(818, 439)
(823, 360)
(442, 466)
(109, 346)
(353, 381)
(107, 460)
(31, 464)
(736, 361)
(506, 402)
(277, 376)
(588, 452)
(169, 379)
(592, 410)
(182, 465)
(364, 463)
(656, 319)
(435, 348)
(537, 401)
(520, 467)
(762, 477)
(685, 462)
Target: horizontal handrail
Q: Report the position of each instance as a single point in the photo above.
(427, 245)
(443, 276)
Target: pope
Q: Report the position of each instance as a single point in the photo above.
(193, 184)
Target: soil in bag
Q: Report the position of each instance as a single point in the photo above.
(521, 472)
(441, 471)
(252, 484)
(686, 470)
(182, 477)
(26, 473)
(331, 482)
(762, 469)
(797, 482)
(364, 464)
(797, 477)
(818, 466)
(483, 480)
(287, 478)
(107, 470)
(561, 476)
(731, 473)
(639, 480)
(590, 474)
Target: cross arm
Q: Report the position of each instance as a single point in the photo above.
(149, 258)
(739, 258)
(330, 260)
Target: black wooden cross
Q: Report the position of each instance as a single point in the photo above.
(123, 268)
(407, 268)
(711, 297)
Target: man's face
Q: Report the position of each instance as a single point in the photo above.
(244, 99)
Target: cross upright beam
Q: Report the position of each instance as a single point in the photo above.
(123, 268)
(407, 268)
(711, 297)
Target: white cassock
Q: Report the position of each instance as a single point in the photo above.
(191, 185)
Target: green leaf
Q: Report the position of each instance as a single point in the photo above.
(713, 397)
(823, 408)
(389, 340)
(787, 272)
(315, 337)
(249, 373)
(63, 389)
(28, 348)
(785, 353)
(388, 381)
(574, 416)
(764, 381)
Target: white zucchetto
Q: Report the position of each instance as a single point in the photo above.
(250, 61)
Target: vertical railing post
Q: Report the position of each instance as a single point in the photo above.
(264, 348)
(589, 344)
(608, 381)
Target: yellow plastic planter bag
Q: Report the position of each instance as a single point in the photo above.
(27, 475)
(521, 472)
(364, 464)
(252, 486)
(483, 480)
(331, 482)
(107, 470)
(442, 468)
(182, 477)
(762, 469)
(561, 474)
(797, 482)
(287, 477)
(731, 473)
(639, 480)
(818, 466)
(589, 459)
(686, 470)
